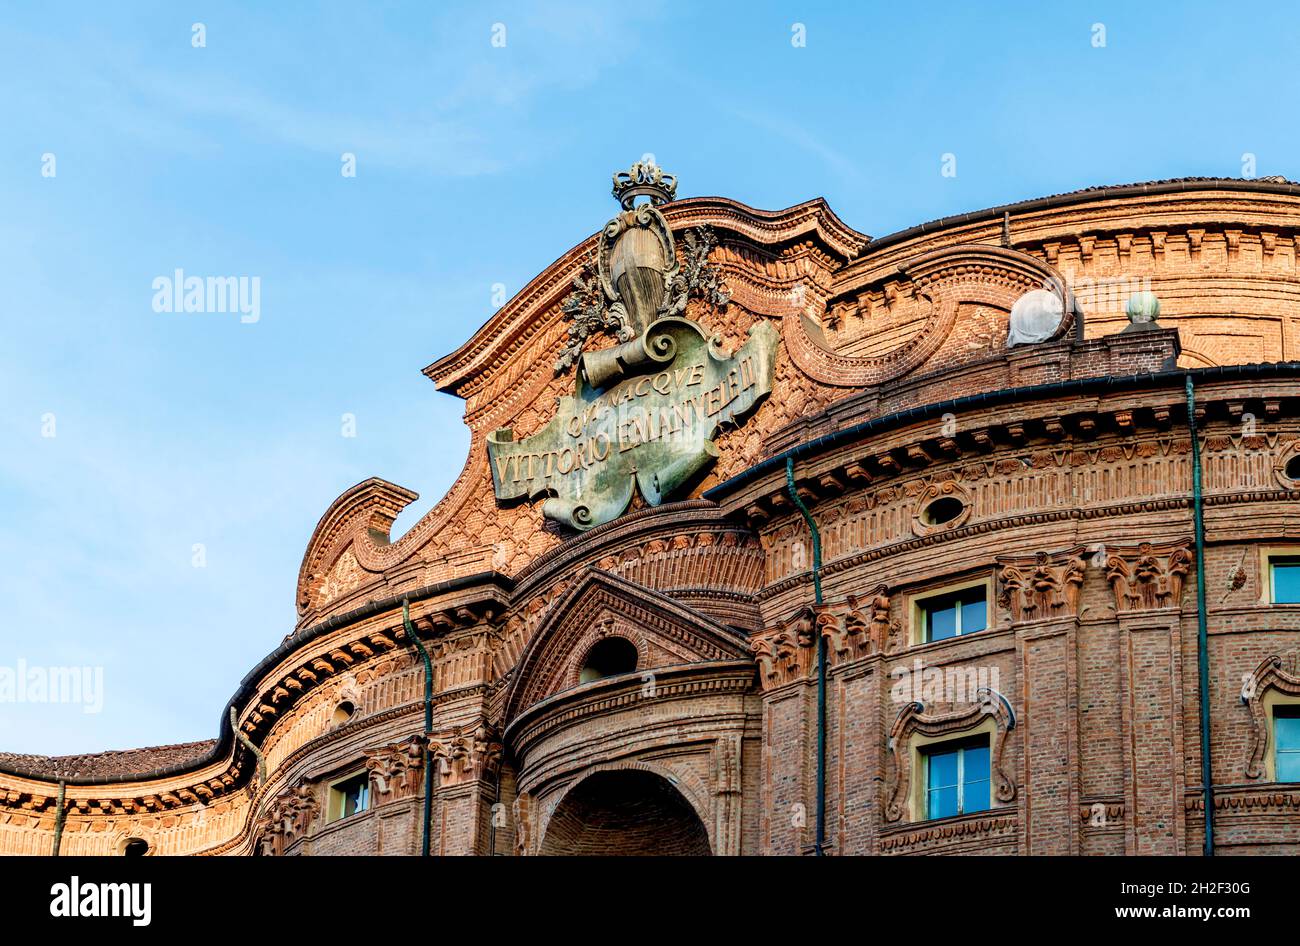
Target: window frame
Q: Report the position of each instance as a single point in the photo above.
(336, 797)
(1273, 560)
(919, 744)
(920, 630)
(1286, 708)
(959, 746)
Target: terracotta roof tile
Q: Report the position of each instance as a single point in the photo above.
(124, 762)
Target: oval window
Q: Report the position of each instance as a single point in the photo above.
(343, 712)
(1292, 471)
(942, 510)
(135, 847)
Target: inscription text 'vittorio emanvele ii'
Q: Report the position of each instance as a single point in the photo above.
(644, 413)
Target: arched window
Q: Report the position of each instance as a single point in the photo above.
(609, 658)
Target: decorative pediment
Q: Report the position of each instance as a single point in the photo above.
(665, 633)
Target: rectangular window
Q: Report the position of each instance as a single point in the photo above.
(1284, 577)
(1286, 752)
(956, 778)
(349, 797)
(953, 614)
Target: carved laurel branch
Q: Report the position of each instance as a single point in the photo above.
(697, 278)
(589, 311)
(1271, 674)
(912, 719)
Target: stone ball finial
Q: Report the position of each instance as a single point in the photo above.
(1035, 317)
(1142, 307)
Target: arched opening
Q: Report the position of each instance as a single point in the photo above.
(609, 658)
(135, 847)
(626, 814)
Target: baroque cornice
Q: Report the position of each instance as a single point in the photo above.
(697, 515)
(851, 561)
(280, 690)
(615, 695)
(1036, 219)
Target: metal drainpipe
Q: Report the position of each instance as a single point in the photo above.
(1202, 633)
(820, 843)
(492, 821)
(248, 744)
(58, 819)
(428, 724)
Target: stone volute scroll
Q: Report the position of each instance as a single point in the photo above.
(644, 413)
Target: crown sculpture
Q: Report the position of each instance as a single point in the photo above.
(644, 410)
(644, 179)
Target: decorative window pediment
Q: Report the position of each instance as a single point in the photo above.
(600, 605)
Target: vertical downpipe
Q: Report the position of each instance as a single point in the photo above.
(820, 843)
(428, 724)
(249, 745)
(58, 819)
(1202, 632)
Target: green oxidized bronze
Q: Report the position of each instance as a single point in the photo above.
(651, 431)
(644, 413)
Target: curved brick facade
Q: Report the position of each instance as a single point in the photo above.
(1067, 469)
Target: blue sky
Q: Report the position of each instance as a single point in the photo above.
(476, 165)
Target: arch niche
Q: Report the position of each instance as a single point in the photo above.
(628, 813)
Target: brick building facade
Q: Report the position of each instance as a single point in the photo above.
(917, 590)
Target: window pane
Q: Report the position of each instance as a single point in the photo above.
(1286, 729)
(353, 795)
(974, 614)
(1288, 766)
(975, 796)
(941, 621)
(976, 764)
(1286, 582)
(975, 779)
(942, 803)
(943, 770)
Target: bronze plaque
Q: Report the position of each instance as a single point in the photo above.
(649, 427)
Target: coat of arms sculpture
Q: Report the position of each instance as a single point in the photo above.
(644, 413)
